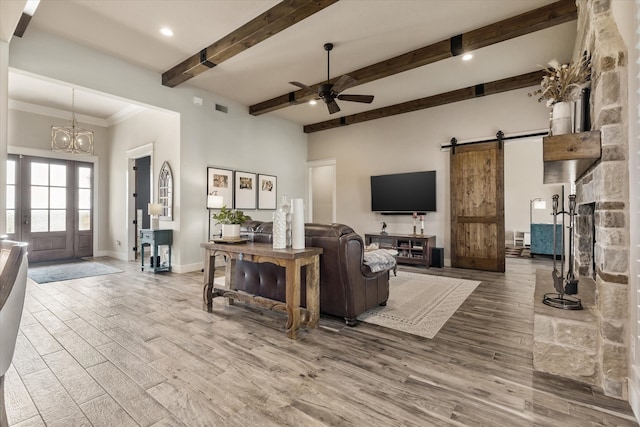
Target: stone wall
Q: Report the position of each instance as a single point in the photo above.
(605, 187)
(565, 342)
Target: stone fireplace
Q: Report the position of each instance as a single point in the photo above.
(602, 226)
(585, 236)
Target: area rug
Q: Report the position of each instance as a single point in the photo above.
(68, 270)
(420, 304)
(517, 252)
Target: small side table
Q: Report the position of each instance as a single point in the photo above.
(155, 238)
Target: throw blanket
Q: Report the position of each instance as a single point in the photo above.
(380, 259)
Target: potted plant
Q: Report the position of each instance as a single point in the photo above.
(561, 86)
(230, 220)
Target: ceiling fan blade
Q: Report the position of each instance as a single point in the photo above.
(301, 86)
(367, 99)
(344, 83)
(333, 106)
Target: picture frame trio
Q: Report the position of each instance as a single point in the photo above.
(243, 190)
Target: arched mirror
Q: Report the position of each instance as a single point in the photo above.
(165, 192)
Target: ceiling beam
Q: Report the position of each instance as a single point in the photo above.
(23, 23)
(538, 19)
(278, 18)
(491, 88)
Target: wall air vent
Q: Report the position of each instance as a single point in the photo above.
(222, 108)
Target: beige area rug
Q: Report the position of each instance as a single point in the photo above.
(420, 304)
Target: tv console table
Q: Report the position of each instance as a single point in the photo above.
(412, 248)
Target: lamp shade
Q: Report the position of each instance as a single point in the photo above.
(539, 204)
(215, 202)
(155, 209)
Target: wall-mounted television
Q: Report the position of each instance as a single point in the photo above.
(404, 192)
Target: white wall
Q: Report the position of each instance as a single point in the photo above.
(523, 182)
(411, 142)
(150, 126)
(207, 137)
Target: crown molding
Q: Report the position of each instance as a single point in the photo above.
(55, 112)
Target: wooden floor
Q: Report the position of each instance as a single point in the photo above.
(136, 348)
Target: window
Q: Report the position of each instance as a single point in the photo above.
(48, 197)
(84, 198)
(11, 196)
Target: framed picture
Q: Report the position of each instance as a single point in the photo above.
(267, 188)
(220, 182)
(245, 190)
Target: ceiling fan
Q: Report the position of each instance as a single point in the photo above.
(329, 92)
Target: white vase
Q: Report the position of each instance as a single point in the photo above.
(279, 231)
(561, 118)
(297, 224)
(230, 230)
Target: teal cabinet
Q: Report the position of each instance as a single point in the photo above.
(542, 239)
(154, 239)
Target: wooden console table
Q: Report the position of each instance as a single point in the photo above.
(291, 259)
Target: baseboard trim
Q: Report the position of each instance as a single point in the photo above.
(188, 268)
(117, 255)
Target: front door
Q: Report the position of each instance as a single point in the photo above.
(477, 207)
(54, 208)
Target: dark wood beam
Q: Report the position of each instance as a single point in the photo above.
(278, 18)
(23, 23)
(490, 88)
(528, 22)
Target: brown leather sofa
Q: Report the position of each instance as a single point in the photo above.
(348, 288)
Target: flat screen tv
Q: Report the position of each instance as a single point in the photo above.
(404, 192)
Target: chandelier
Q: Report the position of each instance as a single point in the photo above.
(72, 139)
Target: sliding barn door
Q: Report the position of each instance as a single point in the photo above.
(477, 206)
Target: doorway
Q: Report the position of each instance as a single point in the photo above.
(50, 206)
(322, 191)
(140, 193)
(143, 191)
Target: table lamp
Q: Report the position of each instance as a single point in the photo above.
(155, 210)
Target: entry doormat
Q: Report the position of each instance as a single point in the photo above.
(420, 304)
(58, 271)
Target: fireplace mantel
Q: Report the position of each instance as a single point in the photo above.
(567, 157)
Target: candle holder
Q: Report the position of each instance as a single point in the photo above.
(415, 217)
(422, 225)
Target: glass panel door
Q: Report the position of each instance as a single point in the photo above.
(54, 207)
(12, 198)
(47, 206)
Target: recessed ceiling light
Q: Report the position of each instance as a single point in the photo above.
(467, 57)
(166, 31)
(313, 102)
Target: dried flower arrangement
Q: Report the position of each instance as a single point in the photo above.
(563, 82)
